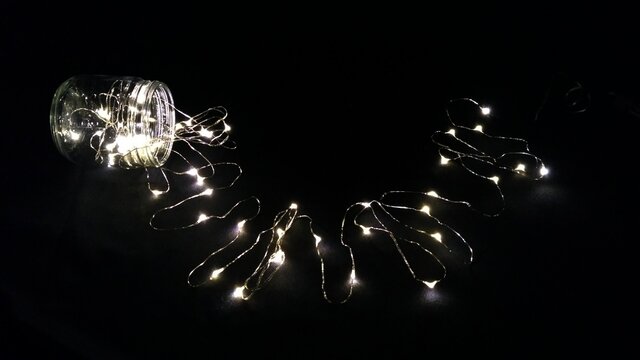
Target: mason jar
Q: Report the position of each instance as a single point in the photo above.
(125, 122)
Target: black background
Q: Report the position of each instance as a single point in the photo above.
(329, 106)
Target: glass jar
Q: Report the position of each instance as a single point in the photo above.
(124, 122)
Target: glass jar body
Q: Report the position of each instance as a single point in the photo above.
(124, 122)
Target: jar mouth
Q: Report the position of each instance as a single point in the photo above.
(152, 117)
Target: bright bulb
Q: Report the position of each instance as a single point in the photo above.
(485, 110)
(426, 209)
(318, 239)
(293, 206)
(241, 224)
(444, 160)
(103, 113)
(215, 273)
(206, 133)
(366, 230)
(277, 257)
(430, 284)
(452, 132)
(280, 232)
(75, 136)
(478, 128)
(207, 192)
(437, 236)
(202, 218)
(495, 179)
(433, 194)
(353, 276)
(238, 293)
(227, 128)
(544, 171)
(156, 192)
(366, 204)
(199, 180)
(520, 167)
(192, 172)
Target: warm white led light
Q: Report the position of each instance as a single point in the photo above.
(365, 230)
(156, 192)
(207, 192)
(433, 194)
(103, 113)
(437, 236)
(238, 293)
(485, 110)
(75, 136)
(353, 276)
(293, 206)
(280, 232)
(215, 274)
(241, 224)
(192, 172)
(206, 133)
(520, 167)
(318, 239)
(227, 128)
(495, 179)
(478, 128)
(199, 180)
(544, 171)
(277, 257)
(444, 160)
(430, 284)
(426, 209)
(452, 132)
(202, 218)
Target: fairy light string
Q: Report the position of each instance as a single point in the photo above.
(431, 238)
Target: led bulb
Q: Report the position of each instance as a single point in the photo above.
(238, 293)
(452, 132)
(520, 167)
(495, 179)
(444, 160)
(215, 274)
(485, 110)
(437, 236)
(366, 204)
(207, 192)
(353, 276)
(192, 172)
(206, 133)
(426, 209)
(544, 171)
(227, 128)
(156, 192)
(277, 257)
(199, 180)
(202, 218)
(293, 206)
(365, 230)
(433, 194)
(280, 232)
(241, 224)
(430, 284)
(478, 128)
(318, 239)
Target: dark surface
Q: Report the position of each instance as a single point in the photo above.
(326, 112)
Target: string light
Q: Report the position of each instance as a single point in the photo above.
(430, 237)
